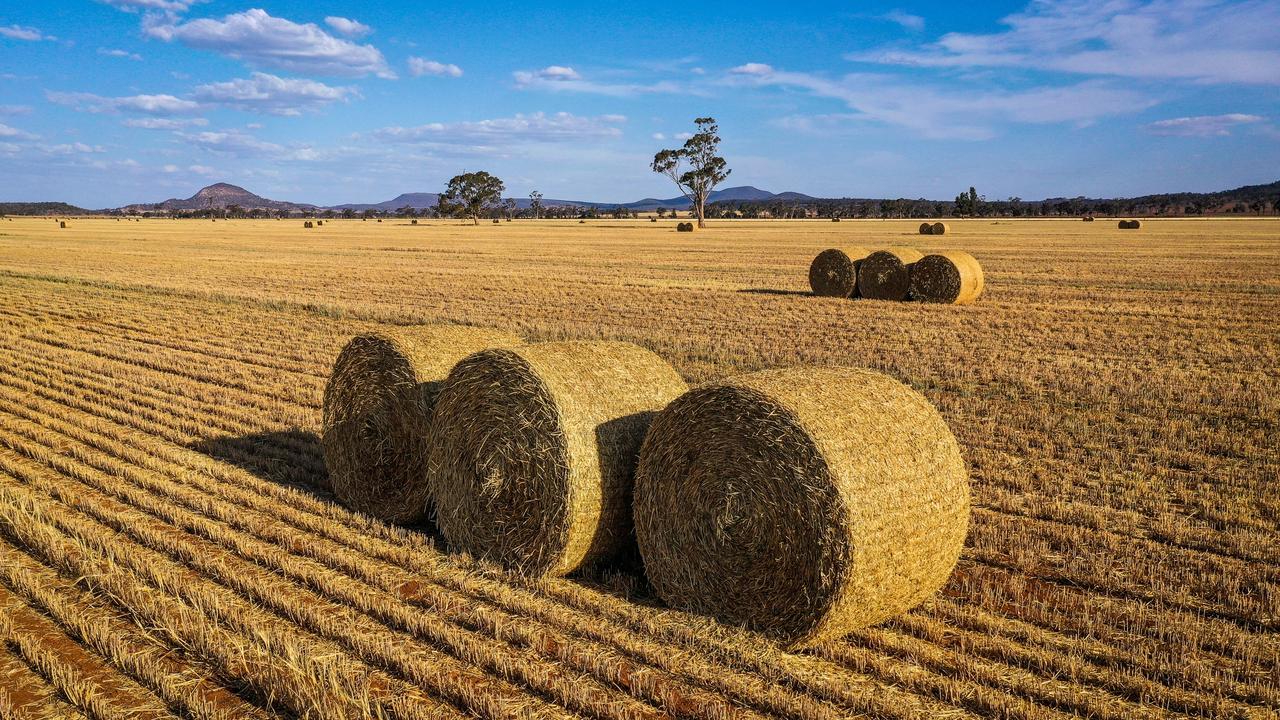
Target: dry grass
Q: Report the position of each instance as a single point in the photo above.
(161, 387)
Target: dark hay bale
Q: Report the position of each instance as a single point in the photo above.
(533, 451)
(886, 274)
(939, 228)
(834, 272)
(684, 227)
(803, 503)
(377, 412)
(926, 228)
(307, 224)
(1130, 224)
(947, 277)
(1087, 218)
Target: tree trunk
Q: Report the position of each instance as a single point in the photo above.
(700, 207)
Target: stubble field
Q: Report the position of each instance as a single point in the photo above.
(164, 550)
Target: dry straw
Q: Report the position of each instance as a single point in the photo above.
(947, 277)
(886, 274)
(938, 228)
(377, 412)
(803, 503)
(834, 272)
(926, 228)
(533, 451)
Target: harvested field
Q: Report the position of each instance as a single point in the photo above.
(166, 549)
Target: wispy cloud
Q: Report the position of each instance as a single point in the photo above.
(935, 111)
(1203, 125)
(19, 32)
(15, 109)
(420, 66)
(535, 128)
(260, 39)
(906, 20)
(348, 27)
(561, 78)
(152, 123)
(114, 52)
(147, 104)
(12, 133)
(265, 93)
(165, 6)
(1206, 41)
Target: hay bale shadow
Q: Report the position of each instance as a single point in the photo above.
(288, 457)
(775, 291)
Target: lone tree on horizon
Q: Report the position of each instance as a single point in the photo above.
(473, 194)
(706, 168)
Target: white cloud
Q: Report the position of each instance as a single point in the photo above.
(13, 133)
(15, 109)
(153, 123)
(72, 149)
(659, 136)
(169, 6)
(559, 78)
(1202, 125)
(204, 170)
(419, 67)
(232, 142)
(270, 94)
(260, 39)
(905, 19)
(683, 135)
(112, 52)
(1199, 40)
(19, 32)
(752, 68)
(961, 113)
(348, 27)
(146, 104)
(538, 128)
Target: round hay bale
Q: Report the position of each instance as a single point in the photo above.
(319, 222)
(834, 272)
(62, 224)
(413, 222)
(886, 274)
(307, 224)
(533, 451)
(377, 411)
(835, 219)
(684, 227)
(952, 277)
(496, 221)
(938, 228)
(803, 503)
(1087, 218)
(926, 228)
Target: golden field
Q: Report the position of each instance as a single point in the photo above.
(164, 551)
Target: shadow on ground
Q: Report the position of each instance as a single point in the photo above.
(775, 291)
(288, 457)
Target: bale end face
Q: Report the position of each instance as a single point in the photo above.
(886, 274)
(377, 412)
(533, 451)
(926, 228)
(684, 227)
(952, 277)
(834, 272)
(939, 228)
(778, 502)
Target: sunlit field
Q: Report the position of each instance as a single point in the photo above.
(166, 549)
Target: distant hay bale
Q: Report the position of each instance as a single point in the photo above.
(496, 221)
(1130, 224)
(377, 411)
(938, 228)
(780, 501)
(533, 451)
(1087, 218)
(413, 222)
(886, 274)
(62, 224)
(835, 219)
(834, 272)
(307, 224)
(947, 277)
(379, 219)
(582, 222)
(926, 228)
(319, 222)
(684, 227)
(653, 219)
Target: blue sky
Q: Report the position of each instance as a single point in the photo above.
(119, 101)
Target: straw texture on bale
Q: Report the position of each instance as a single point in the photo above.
(803, 503)
(886, 274)
(926, 228)
(947, 277)
(533, 451)
(377, 413)
(938, 228)
(834, 272)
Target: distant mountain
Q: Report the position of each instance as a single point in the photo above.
(741, 193)
(220, 196)
(40, 208)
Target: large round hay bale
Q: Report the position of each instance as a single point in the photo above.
(886, 274)
(1130, 224)
(377, 412)
(953, 277)
(684, 227)
(926, 228)
(803, 503)
(834, 272)
(938, 228)
(533, 451)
